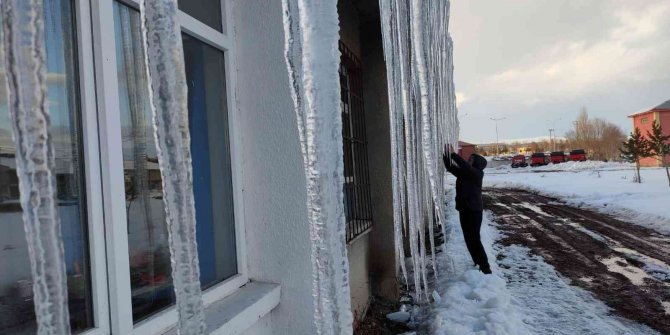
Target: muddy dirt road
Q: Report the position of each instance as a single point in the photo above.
(624, 265)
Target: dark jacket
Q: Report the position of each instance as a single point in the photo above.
(468, 181)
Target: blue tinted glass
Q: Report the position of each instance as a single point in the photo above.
(210, 147)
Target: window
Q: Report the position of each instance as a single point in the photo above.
(645, 120)
(16, 304)
(207, 11)
(210, 148)
(109, 187)
(149, 254)
(357, 198)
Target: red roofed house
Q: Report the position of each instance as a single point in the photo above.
(644, 120)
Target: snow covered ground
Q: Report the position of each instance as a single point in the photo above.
(525, 295)
(471, 302)
(607, 187)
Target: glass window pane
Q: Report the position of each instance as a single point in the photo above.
(17, 314)
(207, 11)
(150, 271)
(210, 148)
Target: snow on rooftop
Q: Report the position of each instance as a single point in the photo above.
(663, 106)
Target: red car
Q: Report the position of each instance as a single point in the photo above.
(578, 155)
(558, 157)
(519, 161)
(539, 159)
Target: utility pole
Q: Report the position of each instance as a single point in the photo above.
(497, 139)
(553, 131)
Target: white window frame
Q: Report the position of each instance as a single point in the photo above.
(93, 187)
(104, 172)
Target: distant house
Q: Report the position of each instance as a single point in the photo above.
(644, 121)
(466, 149)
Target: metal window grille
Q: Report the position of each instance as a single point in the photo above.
(357, 198)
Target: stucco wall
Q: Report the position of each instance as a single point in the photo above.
(358, 252)
(275, 212)
(383, 266)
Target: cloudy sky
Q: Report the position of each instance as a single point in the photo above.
(538, 62)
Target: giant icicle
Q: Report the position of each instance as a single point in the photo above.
(419, 62)
(165, 59)
(25, 64)
(312, 58)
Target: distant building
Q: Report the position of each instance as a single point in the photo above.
(644, 121)
(466, 149)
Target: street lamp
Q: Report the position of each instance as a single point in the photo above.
(497, 139)
(553, 131)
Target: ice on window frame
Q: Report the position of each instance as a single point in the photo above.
(419, 60)
(169, 103)
(24, 56)
(312, 59)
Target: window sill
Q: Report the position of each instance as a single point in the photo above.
(240, 310)
(359, 236)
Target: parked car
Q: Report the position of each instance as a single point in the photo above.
(578, 155)
(558, 157)
(519, 161)
(539, 159)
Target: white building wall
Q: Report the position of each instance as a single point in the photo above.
(278, 248)
(359, 280)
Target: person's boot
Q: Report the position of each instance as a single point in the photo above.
(486, 270)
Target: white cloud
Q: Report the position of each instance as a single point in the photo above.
(632, 51)
(461, 98)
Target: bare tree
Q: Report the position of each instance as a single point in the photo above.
(599, 137)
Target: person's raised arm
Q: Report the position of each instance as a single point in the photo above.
(449, 164)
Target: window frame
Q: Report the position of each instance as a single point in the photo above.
(93, 185)
(91, 169)
(108, 198)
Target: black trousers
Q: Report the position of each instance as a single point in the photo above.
(471, 222)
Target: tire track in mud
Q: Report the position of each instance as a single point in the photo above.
(624, 265)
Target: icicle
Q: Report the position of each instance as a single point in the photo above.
(418, 54)
(165, 58)
(25, 55)
(312, 58)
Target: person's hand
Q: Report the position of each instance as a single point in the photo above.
(445, 156)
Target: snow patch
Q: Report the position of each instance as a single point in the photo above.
(476, 303)
(619, 265)
(666, 305)
(399, 317)
(609, 190)
(549, 304)
(534, 208)
(471, 302)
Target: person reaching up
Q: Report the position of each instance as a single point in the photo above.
(469, 176)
